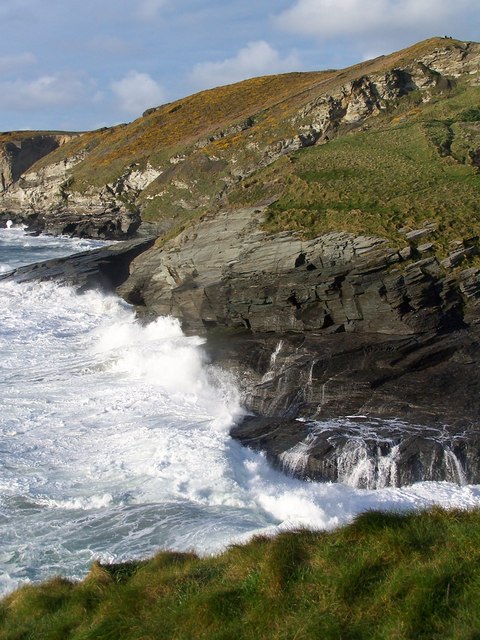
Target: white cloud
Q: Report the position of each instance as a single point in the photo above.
(13, 62)
(328, 19)
(148, 9)
(256, 59)
(137, 91)
(60, 89)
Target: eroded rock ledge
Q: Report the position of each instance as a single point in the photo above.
(108, 223)
(104, 268)
(226, 272)
(337, 326)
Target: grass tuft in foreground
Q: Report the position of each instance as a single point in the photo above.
(383, 576)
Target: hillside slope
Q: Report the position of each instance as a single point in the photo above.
(192, 156)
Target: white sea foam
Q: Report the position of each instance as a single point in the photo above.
(114, 443)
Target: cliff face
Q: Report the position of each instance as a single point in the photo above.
(42, 198)
(336, 280)
(227, 272)
(20, 151)
(339, 325)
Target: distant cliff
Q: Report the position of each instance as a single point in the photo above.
(21, 150)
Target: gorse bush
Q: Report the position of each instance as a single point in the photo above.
(386, 575)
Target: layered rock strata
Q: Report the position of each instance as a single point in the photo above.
(226, 272)
(336, 326)
(104, 268)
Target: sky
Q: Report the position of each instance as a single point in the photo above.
(83, 64)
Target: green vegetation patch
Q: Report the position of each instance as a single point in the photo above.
(399, 173)
(386, 575)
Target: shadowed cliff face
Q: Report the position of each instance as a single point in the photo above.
(375, 410)
(340, 325)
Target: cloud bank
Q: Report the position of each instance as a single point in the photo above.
(59, 89)
(148, 9)
(255, 59)
(330, 19)
(14, 62)
(136, 92)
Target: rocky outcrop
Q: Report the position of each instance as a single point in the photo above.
(340, 325)
(398, 343)
(46, 202)
(18, 152)
(364, 453)
(430, 379)
(367, 410)
(103, 268)
(226, 272)
(109, 223)
(354, 102)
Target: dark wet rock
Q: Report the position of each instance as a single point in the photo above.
(105, 224)
(103, 268)
(323, 328)
(364, 453)
(432, 380)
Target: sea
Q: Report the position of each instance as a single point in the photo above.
(114, 439)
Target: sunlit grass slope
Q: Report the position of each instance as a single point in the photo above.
(179, 124)
(410, 167)
(384, 576)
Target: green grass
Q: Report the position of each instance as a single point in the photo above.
(384, 576)
(408, 168)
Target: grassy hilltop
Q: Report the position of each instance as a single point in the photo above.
(408, 170)
(385, 576)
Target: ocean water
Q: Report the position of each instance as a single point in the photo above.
(114, 439)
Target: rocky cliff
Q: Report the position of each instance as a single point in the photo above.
(323, 234)
(340, 325)
(21, 150)
(226, 271)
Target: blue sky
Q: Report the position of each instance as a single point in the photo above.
(83, 64)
